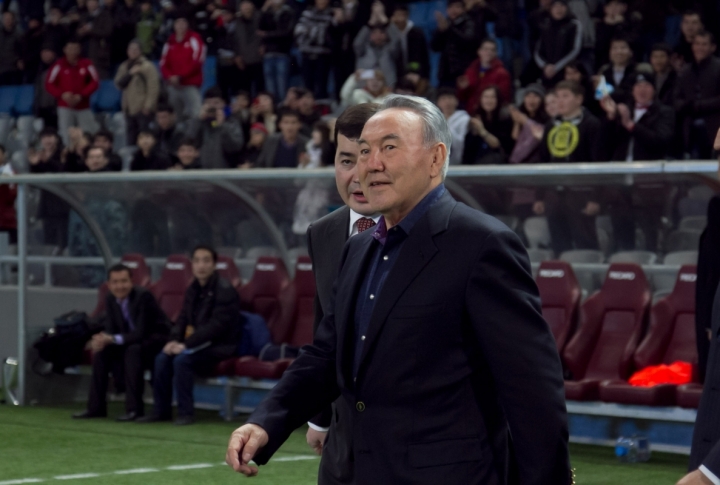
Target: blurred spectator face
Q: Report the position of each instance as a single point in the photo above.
(660, 61)
(378, 37)
(8, 21)
(572, 74)
(322, 4)
(532, 102)
(165, 120)
(702, 47)
(551, 105)
(49, 143)
(145, 142)
(558, 10)
(455, 9)
(677, 61)
(377, 84)
(203, 264)
(247, 9)
(55, 16)
(291, 99)
(568, 102)
(257, 138)
(96, 159)
(488, 100)
(306, 103)
(103, 142)
(487, 53)
(644, 93)
(290, 127)
(187, 154)
(346, 175)
(620, 53)
(265, 103)
(447, 103)
(47, 56)
(92, 5)
(145, 7)
(33, 24)
(181, 27)
(317, 137)
(72, 51)
(133, 51)
(691, 25)
(120, 284)
(241, 102)
(614, 8)
(400, 19)
(214, 104)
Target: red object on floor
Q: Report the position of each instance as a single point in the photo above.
(677, 373)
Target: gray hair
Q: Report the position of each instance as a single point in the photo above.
(435, 129)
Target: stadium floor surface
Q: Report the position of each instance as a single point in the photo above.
(45, 444)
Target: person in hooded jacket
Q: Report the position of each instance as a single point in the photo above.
(560, 43)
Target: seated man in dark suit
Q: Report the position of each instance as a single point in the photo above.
(207, 332)
(135, 331)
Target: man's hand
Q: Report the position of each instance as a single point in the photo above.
(135, 70)
(624, 113)
(550, 71)
(67, 97)
(169, 348)
(716, 143)
(463, 82)
(244, 444)
(174, 80)
(239, 63)
(442, 22)
(609, 106)
(539, 207)
(591, 209)
(179, 349)
(316, 440)
(99, 341)
(695, 478)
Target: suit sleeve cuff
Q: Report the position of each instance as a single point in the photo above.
(325, 430)
(118, 339)
(710, 475)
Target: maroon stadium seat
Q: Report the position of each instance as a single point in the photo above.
(560, 295)
(169, 290)
(688, 395)
(262, 295)
(670, 338)
(140, 277)
(612, 322)
(227, 269)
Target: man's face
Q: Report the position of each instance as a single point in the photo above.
(8, 21)
(49, 143)
(181, 27)
(620, 53)
(487, 53)
(203, 265)
(93, 5)
(247, 9)
(289, 126)
(455, 10)
(146, 142)
(215, 103)
(265, 103)
(102, 142)
(47, 56)
(306, 103)
(558, 10)
(187, 154)
(659, 60)
(395, 167)
(72, 51)
(400, 19)
(96, 160)
(691, 25)
(378, 37)
(322, 4)
(643, 93)
(375, 85)
(165, 120)
(133, 51)
(447, 103)
(120, 284)
(702, 47)
(551, 105)
(346, 175)
(568, 102)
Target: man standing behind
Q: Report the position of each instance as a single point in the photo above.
(248, 53)
(426, 325)
(135, 331)
(456, 39)
(71, 81)
(485, 71)
(313, 34)
(276, 32)
(283, 150)
(181, 65)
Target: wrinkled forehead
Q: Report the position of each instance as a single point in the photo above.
(399, 123)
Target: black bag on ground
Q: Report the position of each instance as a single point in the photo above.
(64, 343)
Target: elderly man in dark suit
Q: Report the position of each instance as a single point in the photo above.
(326, 240)
(136, 330)
(435, 342)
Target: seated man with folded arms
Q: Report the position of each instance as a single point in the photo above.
(136, 329)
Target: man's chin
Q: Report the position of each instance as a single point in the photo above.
(363, 208)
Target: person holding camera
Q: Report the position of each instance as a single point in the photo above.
(220, 137)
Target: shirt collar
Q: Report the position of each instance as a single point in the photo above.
(355, 216)
(413, 217)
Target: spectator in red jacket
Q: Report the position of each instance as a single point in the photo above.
(181, 66)
(486, 70)
(71, 81)
(8, 219)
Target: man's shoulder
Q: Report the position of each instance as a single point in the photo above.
(337, 217)
(474, 222)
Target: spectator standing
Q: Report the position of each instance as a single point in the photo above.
(139, 81)
(11, 52)
(181, 65)
(362, 88)
(508, 30)
(149, 156)
(620, 74)
(126, 15)
(95, 31)
(481, 13)
(44, 104)
(487, 70)
(8, 194)
(228, 61)
(457, 120)
(71, 81)
(284, 149)
(665, 75)
(560, 43)
(415, 56)
(251, 151)
(615, 24)
(276, 32)
(248, 54)
(349, 19)
(220, 137)
(31, 44)
(56, 31)
(167, 132)
(690, 25)
(376, 50)
(697, 97)
(147, 28)
(313, 34)
(457, 40)
(489, 137)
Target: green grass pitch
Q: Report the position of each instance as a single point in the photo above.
(44, 443)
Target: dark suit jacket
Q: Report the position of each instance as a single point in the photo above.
(457, 355)
(147, 316)
(653, 134)
(708, 277)
(706, 438)
(218, 318)
(266, 159)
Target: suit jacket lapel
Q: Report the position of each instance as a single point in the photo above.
(416, 253)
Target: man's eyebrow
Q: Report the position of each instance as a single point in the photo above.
(390, 136)
(347, 154)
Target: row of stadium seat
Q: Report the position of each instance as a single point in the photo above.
(616, 332)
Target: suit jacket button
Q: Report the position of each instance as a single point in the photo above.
(360, 406)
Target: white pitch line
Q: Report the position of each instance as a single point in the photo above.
(21, 481)
(189, 467)
(77, 476)
(294, 458)
(136, 470)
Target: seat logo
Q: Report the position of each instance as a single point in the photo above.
(175, 266)
(304, 267)
(131, 264)
(221, 266)
(265, 267)
(552, 273)
(619, 275)
(688, 277)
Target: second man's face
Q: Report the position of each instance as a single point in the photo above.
(346, 175)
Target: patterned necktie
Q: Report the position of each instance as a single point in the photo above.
(364, 223)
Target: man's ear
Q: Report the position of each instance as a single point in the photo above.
(439, 157)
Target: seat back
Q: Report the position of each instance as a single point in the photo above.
(583, 256)
(560, 295)
(638, 257)
(227, 269)
(170, 289)
(262, 295)
(671, 336)
(141, 274)
(612, 322)
(304, 288)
